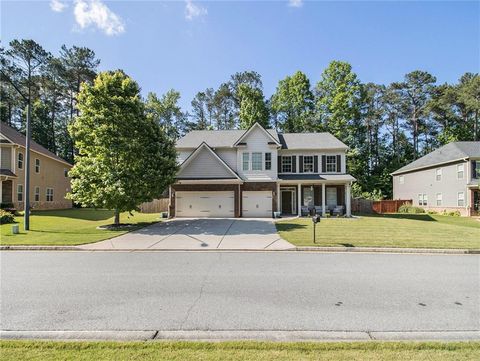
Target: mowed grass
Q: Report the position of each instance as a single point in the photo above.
(390, 230)
(259, 351)
(71, 227)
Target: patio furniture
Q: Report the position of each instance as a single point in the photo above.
(304, 211)
(318, 209)
(338, 211)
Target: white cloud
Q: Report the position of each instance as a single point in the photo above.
(96, 13)
(193, 11)
(57, 5)
(295, 3)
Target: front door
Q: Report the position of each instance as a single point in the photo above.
(331, 197)
(476, 201)
(287, 199)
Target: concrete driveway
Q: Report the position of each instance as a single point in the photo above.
(199, 234)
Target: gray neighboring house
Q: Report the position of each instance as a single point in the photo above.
(445, 179)
(255, 172)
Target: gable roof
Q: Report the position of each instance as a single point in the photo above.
(231, 174)
(310, 141)
(18, 138)
(257, 125)
(448, 153)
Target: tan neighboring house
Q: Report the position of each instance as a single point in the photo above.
(256, 172)
(445, 179)
(49, 181)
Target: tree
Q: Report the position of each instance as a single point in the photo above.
(125, 158)
(469, 96)
(415, 92)
(167, 113)
(292, 104)
(337, 103)
(252, 107)
(202, 109)
(224, 109)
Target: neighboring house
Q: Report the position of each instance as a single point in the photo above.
(49, 181)
(445, 179)
(255, 172)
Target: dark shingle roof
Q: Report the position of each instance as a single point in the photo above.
(448, 153)
(226, 138)
(7, 172)
(18, 138)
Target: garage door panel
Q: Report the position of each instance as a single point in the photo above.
(257, 204)
(205, 204)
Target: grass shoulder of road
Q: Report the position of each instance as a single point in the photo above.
(260, 351)
(388, 230)
(71, 227)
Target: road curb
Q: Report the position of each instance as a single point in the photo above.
(296, 249)
(243, 335)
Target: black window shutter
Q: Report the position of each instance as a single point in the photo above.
(474, 169)
(339, 165)
(279, 164)
(294, 164)
(315, 163)
(324, 163)
(300, 164)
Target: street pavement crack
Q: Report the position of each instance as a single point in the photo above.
(226, 232)
(175, 232)
(200, 294)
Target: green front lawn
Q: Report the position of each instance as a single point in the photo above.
(389, 230)
(70, 227)
(258, 351)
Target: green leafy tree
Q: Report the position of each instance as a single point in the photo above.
(292, 104)
(124, 157)
(167, 112)
(252, 107)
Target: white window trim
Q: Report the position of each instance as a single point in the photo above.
(269, 161)
(257, 163)
(18, 192)
(460, 199)
(312, 164)
(438, 173)
(284, 157)
(39, 163)
(439, 199)
(35, 194)
(245, 161)
(401, 179)
(460, 169)
(20, 161)
(334, 163)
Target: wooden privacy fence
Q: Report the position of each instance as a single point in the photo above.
(389, 206)
(155, 206)
(361, 205)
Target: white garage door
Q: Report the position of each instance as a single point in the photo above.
(257, 204)
(205, 204)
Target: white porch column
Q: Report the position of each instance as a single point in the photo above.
(279, 208)
(348, 200)
(299, 199)
(324, 203)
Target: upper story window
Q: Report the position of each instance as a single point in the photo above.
(49, 195)
(401, 179)
(287, 164)
(476, 169)
(308, 164)
(438, 174)
(460, 171)
(256, 161)
(20, 160)
(331, 163)
(268, 161)
(245, 160)
(37, 165)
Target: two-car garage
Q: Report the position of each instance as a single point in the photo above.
(222, 204)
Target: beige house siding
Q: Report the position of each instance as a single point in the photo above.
(205, 165)
(6, 157)
(51, 175)
(424, 182)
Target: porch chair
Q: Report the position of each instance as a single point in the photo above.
(304, 211)
(318, 209)
(338, 211)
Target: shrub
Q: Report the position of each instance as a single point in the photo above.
(6, 217)
(454, 214)
(432, 212)
(408, 208)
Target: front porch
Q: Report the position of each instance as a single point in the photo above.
(324, 198)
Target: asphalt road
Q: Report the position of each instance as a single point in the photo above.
(239, 291)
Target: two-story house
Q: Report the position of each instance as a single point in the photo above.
(255, 172)
(445, 179)
(49, 181)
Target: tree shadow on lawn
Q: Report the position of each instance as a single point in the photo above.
(86, 214)
(414, 217)
(285, 227)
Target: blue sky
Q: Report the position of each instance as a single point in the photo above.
(192, 45)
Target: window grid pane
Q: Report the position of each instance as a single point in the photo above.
(268, 161)
(287, 164)
(331, 163)
(246, 157)
(256, 161)
(308, 164)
